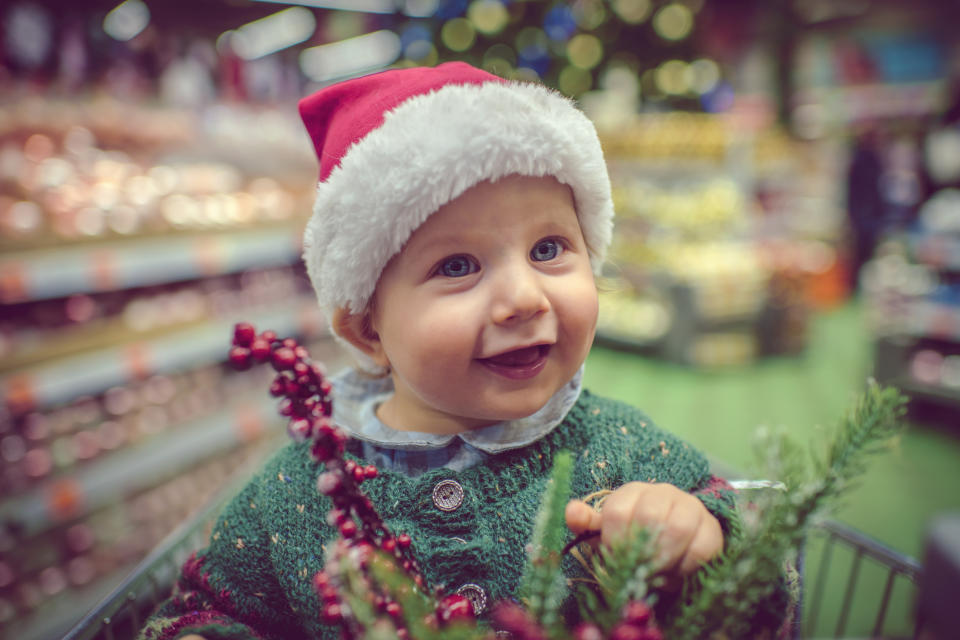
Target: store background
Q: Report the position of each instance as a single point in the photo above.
(154, 181)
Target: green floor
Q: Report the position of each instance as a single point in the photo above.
(719, 411)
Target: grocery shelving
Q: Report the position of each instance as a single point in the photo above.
(131, 241)
(692, 281)
(913, 294)
(45, 274)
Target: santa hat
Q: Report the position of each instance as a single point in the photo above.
(395, 146)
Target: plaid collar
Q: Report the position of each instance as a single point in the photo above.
(356, 398)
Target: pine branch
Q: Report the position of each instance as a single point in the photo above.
(730, 590)
(544, 587)
(622, 573)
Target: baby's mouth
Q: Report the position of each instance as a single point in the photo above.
(519, 363)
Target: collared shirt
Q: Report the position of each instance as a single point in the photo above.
(414, 452)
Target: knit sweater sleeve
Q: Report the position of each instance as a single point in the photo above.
(210, 607)
(229, 589)
(626, 445)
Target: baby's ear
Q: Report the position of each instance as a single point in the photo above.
(355, 328)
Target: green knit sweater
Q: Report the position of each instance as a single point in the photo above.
(254, 580)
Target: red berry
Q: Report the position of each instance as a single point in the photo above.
(511, 617)
(627, 631)
(240, 358)
(301, 352)
(260, 349)
(388, 544)
(300, 368)
(243, 334)
(330, 482)
(324, 428)
(348, 529)
(269, 335)
(587, 631)
(321, 451)
(349, 466)
(636, 612)
(370, 471)
(403, 634)
(289, 343)
(326, 388)
(286, 407)
(336, 517)
(283, 359)
(320, 579)
(279, 386)
(358, 474)
(454, 607)
(403, 540)
(299, 429)
(332, 613)
(328, 593)
(394, 610)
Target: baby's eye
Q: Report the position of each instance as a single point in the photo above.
(546, 249)
(457, 267)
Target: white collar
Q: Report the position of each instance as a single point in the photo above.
(357, 396)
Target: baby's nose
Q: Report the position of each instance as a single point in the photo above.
(519, 296)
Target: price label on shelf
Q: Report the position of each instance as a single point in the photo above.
(103, 270)
(248, 423)
(65, 499)
(13, 285)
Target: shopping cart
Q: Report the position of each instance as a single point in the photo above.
(852, 583)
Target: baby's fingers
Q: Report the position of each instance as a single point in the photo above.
(706, 544)
(677, 534)
(581, 517)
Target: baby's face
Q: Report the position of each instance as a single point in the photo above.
(489, 309)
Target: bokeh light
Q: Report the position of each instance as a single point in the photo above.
(500, 59)
(585, 51)
(673, 22)
(620, 79)
(704, 75)
(488, 16)
(126, 20)
(574, 81)
(671, 77)
(560, 23)
(632, 11)
(458, 34)
(589, 14)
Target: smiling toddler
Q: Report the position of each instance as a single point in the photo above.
(459, 223)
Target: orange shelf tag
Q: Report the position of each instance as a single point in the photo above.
(65, 499)
(20, 394)
(103, 269)
(138, 360)
(13, 283)
(247, 423)
(208, 253)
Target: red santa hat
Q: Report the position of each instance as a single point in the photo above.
(395, 146)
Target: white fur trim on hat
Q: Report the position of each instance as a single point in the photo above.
(428, 151)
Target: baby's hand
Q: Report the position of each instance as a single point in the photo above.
(689, 535)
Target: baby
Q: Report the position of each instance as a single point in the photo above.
(460, 221)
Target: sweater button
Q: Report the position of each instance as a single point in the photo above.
(447, 495)
(476, 595)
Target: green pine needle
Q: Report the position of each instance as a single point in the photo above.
(727, 594)
(544, 586)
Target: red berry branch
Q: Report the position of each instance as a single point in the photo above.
(306, 400)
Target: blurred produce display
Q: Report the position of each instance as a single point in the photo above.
(130, 242)
(913, 295)
(698, 277)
